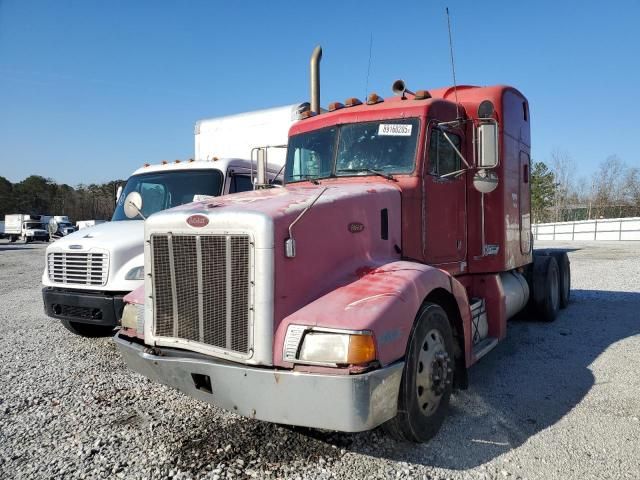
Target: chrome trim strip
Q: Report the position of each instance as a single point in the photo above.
(174, 290)
(229, 290)
(200, 289)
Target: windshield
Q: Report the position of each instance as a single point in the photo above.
(387, 146)
(162, 190)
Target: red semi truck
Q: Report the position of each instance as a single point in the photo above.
(362, 291)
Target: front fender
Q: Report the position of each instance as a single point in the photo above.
(384, 300)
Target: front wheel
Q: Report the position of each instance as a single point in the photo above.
(427, 378)
(87, 329)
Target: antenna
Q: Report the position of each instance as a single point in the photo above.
(453, 65)
(366, 92)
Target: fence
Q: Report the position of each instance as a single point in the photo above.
(602, 229)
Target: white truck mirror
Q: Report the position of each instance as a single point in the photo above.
(487, 145)
(133, 205)
(118, 193)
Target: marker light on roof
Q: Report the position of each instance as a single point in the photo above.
(306, 114)
(352, 102)
(164, 162)
(373, 98)
(177, 161)
(333, 106)
(422, 95)
(146, 165)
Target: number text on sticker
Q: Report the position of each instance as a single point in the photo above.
(394, 129)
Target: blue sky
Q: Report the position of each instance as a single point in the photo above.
(90, 90)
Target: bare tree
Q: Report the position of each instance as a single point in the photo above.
(562, 166)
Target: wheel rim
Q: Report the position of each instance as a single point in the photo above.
(433, 372)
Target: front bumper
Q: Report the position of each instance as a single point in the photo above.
(348, 403)
(96, 308)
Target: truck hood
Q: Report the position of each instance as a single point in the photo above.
(109, 236)
(353, 225)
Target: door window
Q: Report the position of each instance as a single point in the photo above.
(443, 159)
(240, 183)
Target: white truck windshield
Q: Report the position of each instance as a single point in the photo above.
(162, 190)
(367, 148)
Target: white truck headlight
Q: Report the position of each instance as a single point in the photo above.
(136, 273)
(338, 348)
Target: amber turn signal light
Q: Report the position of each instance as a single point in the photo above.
(362, 349)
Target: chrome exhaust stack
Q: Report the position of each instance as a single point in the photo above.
(314, 71)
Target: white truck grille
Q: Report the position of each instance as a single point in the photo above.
(201, 289)
(78, 268)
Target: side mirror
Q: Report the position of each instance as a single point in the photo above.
(133, 205)
(487, 145)
(118, 193)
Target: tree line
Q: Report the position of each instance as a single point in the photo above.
(557, 195)
(36, 195)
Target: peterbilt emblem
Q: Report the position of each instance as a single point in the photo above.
(356, 227)
(198, 221)
(75, 247)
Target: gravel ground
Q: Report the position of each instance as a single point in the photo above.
(552, 401)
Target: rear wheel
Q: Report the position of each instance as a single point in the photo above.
(427, 378)
(546, 287)
(87, 329)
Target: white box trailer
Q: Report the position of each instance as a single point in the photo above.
(234, 136)
(88, 272)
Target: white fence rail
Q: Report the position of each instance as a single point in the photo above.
(602, 229)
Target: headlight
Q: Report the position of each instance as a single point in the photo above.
(338, 348)
(129, 316)
(136, 273)
(133, 317)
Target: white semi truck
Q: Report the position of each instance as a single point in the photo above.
(88, 272)
(27, 228)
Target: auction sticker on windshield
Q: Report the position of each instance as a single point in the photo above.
(394, 129)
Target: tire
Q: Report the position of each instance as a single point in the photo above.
(546, 287)
(427, 378)
(564, 284)
(87, 329)
(12, 239)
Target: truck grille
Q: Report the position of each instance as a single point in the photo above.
(78, 268)
(201, 289)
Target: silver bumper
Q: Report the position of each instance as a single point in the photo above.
(348, 403)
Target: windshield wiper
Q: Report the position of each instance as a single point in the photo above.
(388, 176)
(312, 178)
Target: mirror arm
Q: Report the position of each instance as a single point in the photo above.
(453, 174)
(137, 210)
(455, 149)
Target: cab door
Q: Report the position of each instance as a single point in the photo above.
(445, 216)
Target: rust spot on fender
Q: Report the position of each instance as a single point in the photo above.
(362, 271)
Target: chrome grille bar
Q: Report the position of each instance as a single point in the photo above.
(78, 268)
